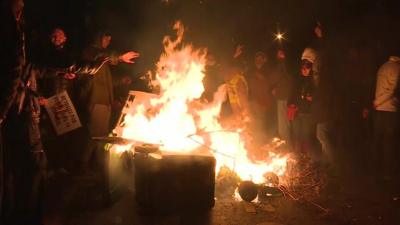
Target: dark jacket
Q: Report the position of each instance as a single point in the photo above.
(303, 87)
(12, 60)
(260, 89)
(321, 108)
(25, 108)
(324, 102)
(99, 89)
(11, 63)
(51, 84)
(212, 80)
(281, 81)
(325, 105)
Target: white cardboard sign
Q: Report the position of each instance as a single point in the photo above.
(62, 113)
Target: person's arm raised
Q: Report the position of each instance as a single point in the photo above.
(129, 57)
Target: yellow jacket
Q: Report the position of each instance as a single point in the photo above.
(233, 91)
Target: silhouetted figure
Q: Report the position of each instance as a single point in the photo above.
(98, 97)
(300, 105)
(386, 120)
(280, 90)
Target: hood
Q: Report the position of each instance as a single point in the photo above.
(309, 54)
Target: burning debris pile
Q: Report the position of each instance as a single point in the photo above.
(178, 121)
(304, 182)
(229, 183)
(301, 182)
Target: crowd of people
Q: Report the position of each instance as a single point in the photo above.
(26, 131)
(318, 105)
(335, 110)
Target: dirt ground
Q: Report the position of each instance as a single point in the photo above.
(350, 198)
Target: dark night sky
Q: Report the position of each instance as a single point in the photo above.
(219, 24)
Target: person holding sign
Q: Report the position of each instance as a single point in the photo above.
(23, 159)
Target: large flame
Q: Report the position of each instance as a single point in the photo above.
(179, 121)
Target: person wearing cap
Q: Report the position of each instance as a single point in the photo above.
(386, 120)
(311, 55)
(323, 103)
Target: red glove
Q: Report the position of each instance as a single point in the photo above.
(365, 113)
(69, 76)
(291, 112)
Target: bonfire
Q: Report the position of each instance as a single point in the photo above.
(176, 119)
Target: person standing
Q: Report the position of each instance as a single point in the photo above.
(299, 109)
(212, 79)
(98, 97)
(261, 99)
(23, 157)
(58, 148)
(13, 58)
(280, 90)
(386, 120)
(323, 104)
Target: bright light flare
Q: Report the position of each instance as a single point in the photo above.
(279, 36)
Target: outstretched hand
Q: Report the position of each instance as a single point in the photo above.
(129, 57)
(365, 113)
(238, 51)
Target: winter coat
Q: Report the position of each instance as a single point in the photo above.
(386, 92)
(26, 102)
(12, 60)
(323, 107)
(52, 84)
(281, 82)
(260, 94)
(303, 87)
(99, 89)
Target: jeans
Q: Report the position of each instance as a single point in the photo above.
(324, 130)
(283, 122)
(386, 127)
(303, 132)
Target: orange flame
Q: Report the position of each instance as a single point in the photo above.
(180, 122)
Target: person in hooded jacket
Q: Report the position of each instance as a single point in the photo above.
(300, 109)
(323, 111)
(97, 99)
